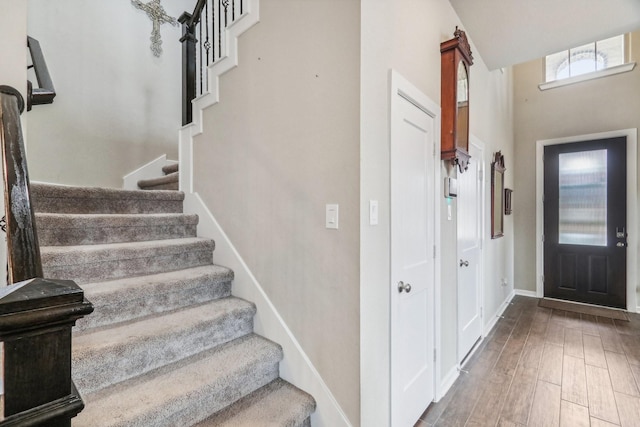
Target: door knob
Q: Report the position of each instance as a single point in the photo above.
(464, 263)
(404, 287)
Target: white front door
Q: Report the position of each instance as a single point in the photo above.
(470, 185)
(412, 260)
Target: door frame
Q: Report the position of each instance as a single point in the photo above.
(632, 206)
(403, 88)
(473, 140)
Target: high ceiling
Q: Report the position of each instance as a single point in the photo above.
(508, 32)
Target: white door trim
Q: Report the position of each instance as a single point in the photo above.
(632, 207)
(405, 89)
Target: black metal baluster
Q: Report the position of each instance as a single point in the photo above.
(207, 44)
(213, 30)
(225, 4)
(219, 28)
(233, 10)
(200, 72)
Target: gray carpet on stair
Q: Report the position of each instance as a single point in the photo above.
(85, 264)
(122, 300)
(270, 404)
(167, 344)
(170, 168)
(115, 354)
(166, 182)
(68, 229)
(187, 392)
(49, 198)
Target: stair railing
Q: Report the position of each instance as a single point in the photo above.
(36, 314)
(45, 92)
(204, 43)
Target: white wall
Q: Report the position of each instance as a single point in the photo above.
(13, 42)
(117, 106)
(406, 35)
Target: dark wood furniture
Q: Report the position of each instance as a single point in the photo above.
(456, 59)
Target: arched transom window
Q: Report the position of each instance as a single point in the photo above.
(585, 59)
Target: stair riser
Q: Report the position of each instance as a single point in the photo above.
(170, 168)
(54, 236)
(120, 307)
(95, 370)
(105, 206)
(113, 269)
(167, 186)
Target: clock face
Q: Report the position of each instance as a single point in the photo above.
(462, 103)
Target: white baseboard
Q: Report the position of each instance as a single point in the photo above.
(494, 319)
(153, 169)
(296, 366)
(447, 382)
(524, 293)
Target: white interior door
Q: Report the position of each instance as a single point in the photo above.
(470, 211)
(412, 261)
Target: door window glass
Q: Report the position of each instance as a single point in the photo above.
(583, 198)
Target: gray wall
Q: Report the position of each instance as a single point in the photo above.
(118, 106)
(282, 143)
(605, 104)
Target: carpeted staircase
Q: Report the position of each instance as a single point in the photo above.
(167, 182)
(167, 345)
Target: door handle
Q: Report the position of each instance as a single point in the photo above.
(621, 244)
(404, 287)
(464, 263)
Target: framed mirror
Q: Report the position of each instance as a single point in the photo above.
(497, 196)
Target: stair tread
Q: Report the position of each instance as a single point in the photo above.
(82, 254)
(125, 299)
(97, 341)
(109, 355)
(170, 168)
(156, 399)
(162, 282)
(65, 220)
(276, 404)
(63, 191)
(166, 179)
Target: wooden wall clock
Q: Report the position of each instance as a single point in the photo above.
(456, 59)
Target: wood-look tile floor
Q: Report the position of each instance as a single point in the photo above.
(546, 367)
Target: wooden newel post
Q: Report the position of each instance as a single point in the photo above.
(36, 317)
(188, 41)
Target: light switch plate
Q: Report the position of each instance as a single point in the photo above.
(373, 212)
(332, 217)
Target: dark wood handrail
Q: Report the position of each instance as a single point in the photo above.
(23, 250)
(36, 314)
(194, 18)
(45, 92)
